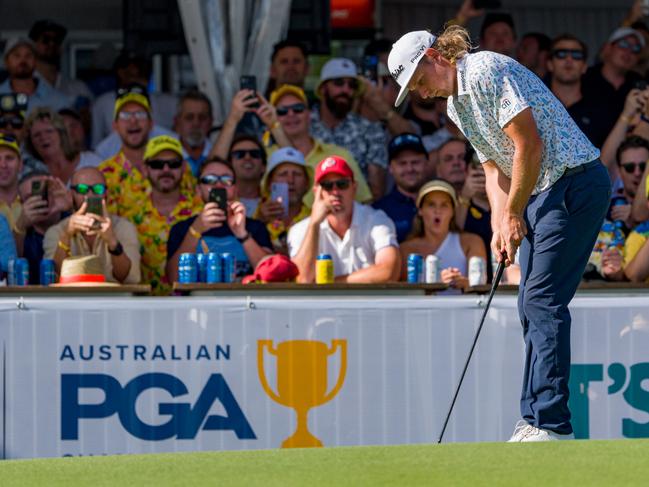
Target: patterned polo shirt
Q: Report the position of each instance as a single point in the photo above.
(364, 139)
(492, 90)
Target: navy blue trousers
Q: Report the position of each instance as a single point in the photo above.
(562, 225)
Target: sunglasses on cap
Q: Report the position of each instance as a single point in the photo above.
(576, 54)
(83, 189)
(159, 164)
(8, 138)
(136, 89)
(13, 122)
(138, 115)
(296, 108)
(624, 44)
(340, 82)
(629, 167)
(405, 139)
(241, 153)
(212, 179)
(341, 184)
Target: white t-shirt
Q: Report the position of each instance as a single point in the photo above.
(371, 231)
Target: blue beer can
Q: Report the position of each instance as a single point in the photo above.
(229, 265)
(187, 268)
(214, 268)
(47, 272)
(11, 272)
(21, 272)
(415, 268)
(201, 262)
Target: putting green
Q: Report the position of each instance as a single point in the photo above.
(574, 463)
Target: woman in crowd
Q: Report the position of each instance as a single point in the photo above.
(47, 140)
(434, 231)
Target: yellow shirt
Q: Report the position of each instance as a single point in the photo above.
(11, 212)
(634, 242)
(127, 186)
(153, 232)
(320, 151)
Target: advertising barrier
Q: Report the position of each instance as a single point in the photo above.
(96, 376)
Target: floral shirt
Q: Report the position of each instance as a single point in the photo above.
(127, 186)
(153, 232)
(278, 230)
(364, 139)
(610, 236)
(492, 90)
(11, 212)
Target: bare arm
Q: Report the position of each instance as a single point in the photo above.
(240, 105)
(387, 266)
(308, 251)
(497, 186)
(640, 207)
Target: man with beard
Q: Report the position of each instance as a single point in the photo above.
(334, 122)
(48, 37)
(124, 172)
(111, 238)
(361, 240)
(289, 65)
(165, 205)
(567, 65)
(20, 61)
(192, 124)
(408, 159)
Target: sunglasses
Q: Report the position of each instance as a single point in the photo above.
(340, 82)
(14, 122)
(402, 139)
(137, 89)
(212, 179)
(341, 184)
(241, 153)
(629, 167)
(158, 164)
(138, 115)
(624, 44)
(98, 189)
(576, 54)
(296, 108)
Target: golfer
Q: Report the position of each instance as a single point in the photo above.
(547, 189)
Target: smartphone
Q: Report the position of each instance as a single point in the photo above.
(279, 192)
(95, 207)
(249, 83)
(478, 4)
(369, 68)
(641, 84)
(39, 188)
(220, 197)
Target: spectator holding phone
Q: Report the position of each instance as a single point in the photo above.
(11, 165)
(284, 185)
(91, 230)
(221, 226)
(248, 158)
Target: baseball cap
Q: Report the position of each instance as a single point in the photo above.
(406, 141)
(10, 142)
(333, 165)
(622, 32)
(338, 68)
(284, 155)
(436, 185)
(274, 268)
(296, 91)
(47, 25)
(162, 142)
(14, 42)
(133, 94)
(405, 56)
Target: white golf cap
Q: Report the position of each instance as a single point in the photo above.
(335, 68)
(285, 154)
(622, 32)
(405, 56)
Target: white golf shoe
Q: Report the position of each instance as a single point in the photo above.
(524, 432)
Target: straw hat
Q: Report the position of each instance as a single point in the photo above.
(83, 270)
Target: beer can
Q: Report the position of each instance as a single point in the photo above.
(187, 268)
(431, 269)
(201, 265)
(324, 269)
(229, 266)
(214, 268)
(11, 274)
(415, 268)
(21, 272)
(47, 272)
(477, 271)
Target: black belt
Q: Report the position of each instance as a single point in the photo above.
(571, 171)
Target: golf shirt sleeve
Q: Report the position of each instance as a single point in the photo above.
(382, 231)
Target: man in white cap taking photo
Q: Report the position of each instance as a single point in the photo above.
(334, 122)
(547, 190)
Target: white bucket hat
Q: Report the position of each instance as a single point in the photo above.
(405, 56)
(338, 68)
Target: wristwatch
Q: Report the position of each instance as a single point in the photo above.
(117, 251)
(244, 238)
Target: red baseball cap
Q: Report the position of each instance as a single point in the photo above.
(275, 268)
(333, 165)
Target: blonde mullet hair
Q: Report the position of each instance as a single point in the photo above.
(453, 43)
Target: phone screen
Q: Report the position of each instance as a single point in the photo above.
(220, 197)
(370, 67)
(39, 188)
(249, 83)
(279, 192)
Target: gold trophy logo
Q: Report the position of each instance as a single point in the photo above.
(302, 380)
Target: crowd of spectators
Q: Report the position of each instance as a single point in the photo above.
(335, 170)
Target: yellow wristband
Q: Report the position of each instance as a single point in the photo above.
(194, 233)
(64, 247)
(274, 125)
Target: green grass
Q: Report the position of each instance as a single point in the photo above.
(575, 463)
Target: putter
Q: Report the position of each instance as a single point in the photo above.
(494, 285)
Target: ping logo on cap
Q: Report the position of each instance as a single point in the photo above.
(397, 72)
